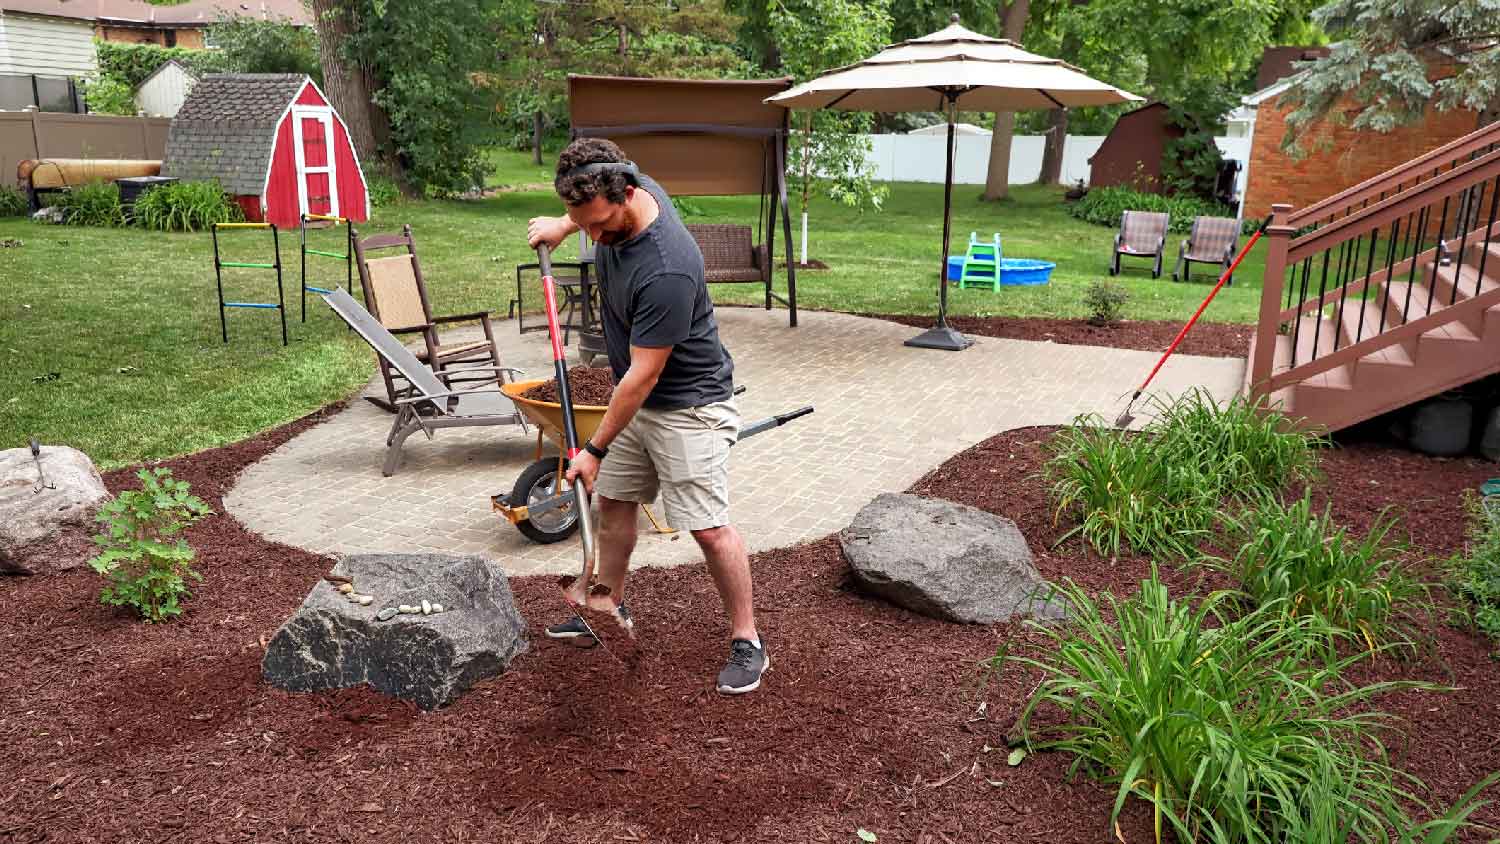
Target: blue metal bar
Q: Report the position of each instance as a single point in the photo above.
(251, 305)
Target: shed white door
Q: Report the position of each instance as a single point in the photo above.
(317, 176)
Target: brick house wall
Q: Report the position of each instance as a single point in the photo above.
(1338, 157)
(191, 38)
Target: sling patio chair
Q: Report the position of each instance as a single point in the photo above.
(1143, 234)
(1212, 241)
(397, 297)
(426, 387)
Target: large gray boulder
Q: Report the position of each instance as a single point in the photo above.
(332, 641)
(945, 560)
(29, 515)
(1442, 427)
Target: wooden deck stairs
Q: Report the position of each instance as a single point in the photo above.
(1385, 294)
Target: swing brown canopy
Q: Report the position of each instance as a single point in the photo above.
(708, 137)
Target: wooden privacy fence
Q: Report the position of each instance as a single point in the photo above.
(40, 134)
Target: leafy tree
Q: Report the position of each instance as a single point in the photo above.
(109, 94)
(1398, 57)
(408, 78)
(830, 154)
(249, 45)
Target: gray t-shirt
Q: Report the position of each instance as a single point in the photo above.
(654, 296)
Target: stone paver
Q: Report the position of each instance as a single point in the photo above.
(886, 414)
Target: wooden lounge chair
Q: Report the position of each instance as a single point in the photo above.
(1212, 241)
(397, 297)
(1143, 234)
(426, 387)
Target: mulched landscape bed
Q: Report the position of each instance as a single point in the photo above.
(872, 717)
(586, 385)
(1211, 339)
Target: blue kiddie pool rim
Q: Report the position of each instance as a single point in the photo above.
(1025, 271)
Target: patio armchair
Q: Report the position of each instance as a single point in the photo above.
(429, 402)
(1143, 234)
(1212, 241)
(397, 297)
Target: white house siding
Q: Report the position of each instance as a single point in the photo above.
(163, 94)
(31, 44)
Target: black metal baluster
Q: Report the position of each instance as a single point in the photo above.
(1342, 280)
(1437, 257)
(1470, 204)
(1489, 236)
(1411, 272)
(1390, 266)
(1322, 288)
(1301, 300)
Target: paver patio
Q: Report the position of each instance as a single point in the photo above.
(886, 414)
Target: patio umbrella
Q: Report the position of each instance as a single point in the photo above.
(951, 69)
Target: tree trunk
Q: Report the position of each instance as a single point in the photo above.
(1052, 156)
(997, 178)
(351, 85)
(536, 138)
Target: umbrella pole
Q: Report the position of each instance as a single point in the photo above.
(941, 336)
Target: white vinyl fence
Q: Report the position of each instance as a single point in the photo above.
(919, 158)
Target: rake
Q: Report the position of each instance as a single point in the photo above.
(1124, 419)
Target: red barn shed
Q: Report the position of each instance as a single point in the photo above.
(1131, 153)
(273, 142)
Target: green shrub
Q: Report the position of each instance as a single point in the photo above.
(109, 94)
(1160, 491)
(1473, 574)
(146, 558)
(132, 63)
(12, 202)
(184, 206)
(1103, 207)
(383, 191)
(1233, 729)
(92, 204)
(1105, 301)
(1307, 564)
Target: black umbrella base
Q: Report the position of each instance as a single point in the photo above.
(941, 337)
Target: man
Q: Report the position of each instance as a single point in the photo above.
(672, 418)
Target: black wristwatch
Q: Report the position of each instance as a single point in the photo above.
(595, 450)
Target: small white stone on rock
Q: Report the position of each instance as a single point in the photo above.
(366, 600)
(346, 588)
(407, 608)
(437, 608)
(426, 607)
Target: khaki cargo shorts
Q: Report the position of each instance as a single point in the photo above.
(683, 454)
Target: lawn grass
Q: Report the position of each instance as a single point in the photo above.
(88, 303)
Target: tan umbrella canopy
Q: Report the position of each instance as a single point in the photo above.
(952, 69)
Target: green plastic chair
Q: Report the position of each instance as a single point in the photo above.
(981, 263)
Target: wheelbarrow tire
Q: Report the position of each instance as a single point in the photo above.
(533, 484)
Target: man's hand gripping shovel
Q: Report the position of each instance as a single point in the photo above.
(593, 604)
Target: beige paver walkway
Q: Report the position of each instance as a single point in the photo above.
(886, 414)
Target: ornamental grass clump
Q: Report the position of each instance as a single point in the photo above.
(1159, 492)
(1293, 557)
(1234, 728)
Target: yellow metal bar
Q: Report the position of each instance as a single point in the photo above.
(242, 225)
(325, 217)
(655, 523)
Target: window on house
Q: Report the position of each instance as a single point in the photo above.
(171, 38)
(209, 41)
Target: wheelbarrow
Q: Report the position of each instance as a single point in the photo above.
(539, 505)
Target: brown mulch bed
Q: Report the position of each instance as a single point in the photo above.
(1210, 339)
(871, 716)
(812, 265)
(587, 385)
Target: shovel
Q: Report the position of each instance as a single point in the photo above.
(576, 590)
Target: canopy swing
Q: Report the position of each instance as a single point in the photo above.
(704, 138)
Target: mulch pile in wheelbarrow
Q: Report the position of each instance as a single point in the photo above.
(872, 717)
(590, 385)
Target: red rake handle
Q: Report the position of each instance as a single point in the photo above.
(565, 398)
(1223, 277)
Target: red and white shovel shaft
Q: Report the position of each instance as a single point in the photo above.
(565, 398)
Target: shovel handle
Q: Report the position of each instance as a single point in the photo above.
(36, 448)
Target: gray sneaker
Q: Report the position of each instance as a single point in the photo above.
(574, 629)
(746, 663)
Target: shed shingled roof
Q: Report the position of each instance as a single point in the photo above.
(226, 129)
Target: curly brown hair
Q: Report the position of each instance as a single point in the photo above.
(580, 189)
